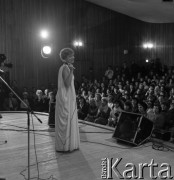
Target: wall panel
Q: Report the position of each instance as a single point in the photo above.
(105, 33)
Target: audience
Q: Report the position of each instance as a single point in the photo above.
(148, 91)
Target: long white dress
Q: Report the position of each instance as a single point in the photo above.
(66, 120)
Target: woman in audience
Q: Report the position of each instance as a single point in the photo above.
(114, 114)
(26, 100)
(39, 103)
(110, 101)
(98, 101)
(83, 108)
(103, 113)
(142, 108)
(128, 106)
(134, 105)
(46, 100)
(92, 111)
(156, 113)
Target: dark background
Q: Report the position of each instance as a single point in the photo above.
(106, 34)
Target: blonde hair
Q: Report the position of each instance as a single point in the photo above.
(64, 53)
(38, 91)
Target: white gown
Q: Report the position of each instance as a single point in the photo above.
(66, 120)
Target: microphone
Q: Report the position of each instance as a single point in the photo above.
(71, 66)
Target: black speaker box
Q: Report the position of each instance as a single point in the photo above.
(133, 128)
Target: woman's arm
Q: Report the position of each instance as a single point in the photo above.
(67, 76)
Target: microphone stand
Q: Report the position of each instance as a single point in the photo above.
(29, 110)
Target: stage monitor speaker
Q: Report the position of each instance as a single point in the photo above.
(133, 128)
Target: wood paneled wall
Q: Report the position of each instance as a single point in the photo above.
(106, 34)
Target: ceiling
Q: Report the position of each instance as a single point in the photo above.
(153, 11)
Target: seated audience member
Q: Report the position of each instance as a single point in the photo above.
(149, 107)
(164, 106)
(142, 108)
(25, 99)
(134, 105)
(103, 113)
(114, 114)
(171, 93)
(46, 100)
(110, 101)
(125, 96)
(83, 108)
(10, 103)
(90, 95)
(131, 90)
(98, 101)
(158, 120)
(85, 94)
(156, 111)
(139, 93)
(102, 86)
(108, 92)
(117, 93)
(161, 121)
(39, 103)
(162, 98)
(92, 111)
(128, 106)
(109, 73)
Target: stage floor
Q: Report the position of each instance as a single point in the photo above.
(84, 164)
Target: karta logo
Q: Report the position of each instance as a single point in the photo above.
(111, 170)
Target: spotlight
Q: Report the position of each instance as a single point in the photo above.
(147, 60)
(78, 43)
(46, 51)
(145, 46)
(148, 45)
(44, 34)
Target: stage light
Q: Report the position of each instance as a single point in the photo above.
(78, 43)
(147, 60)
(148, 45)
(44, 34)
(46, 51)
(145, 46)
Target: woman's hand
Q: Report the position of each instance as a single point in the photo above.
(71, 67)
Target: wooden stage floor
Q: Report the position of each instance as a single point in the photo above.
(85, 164)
